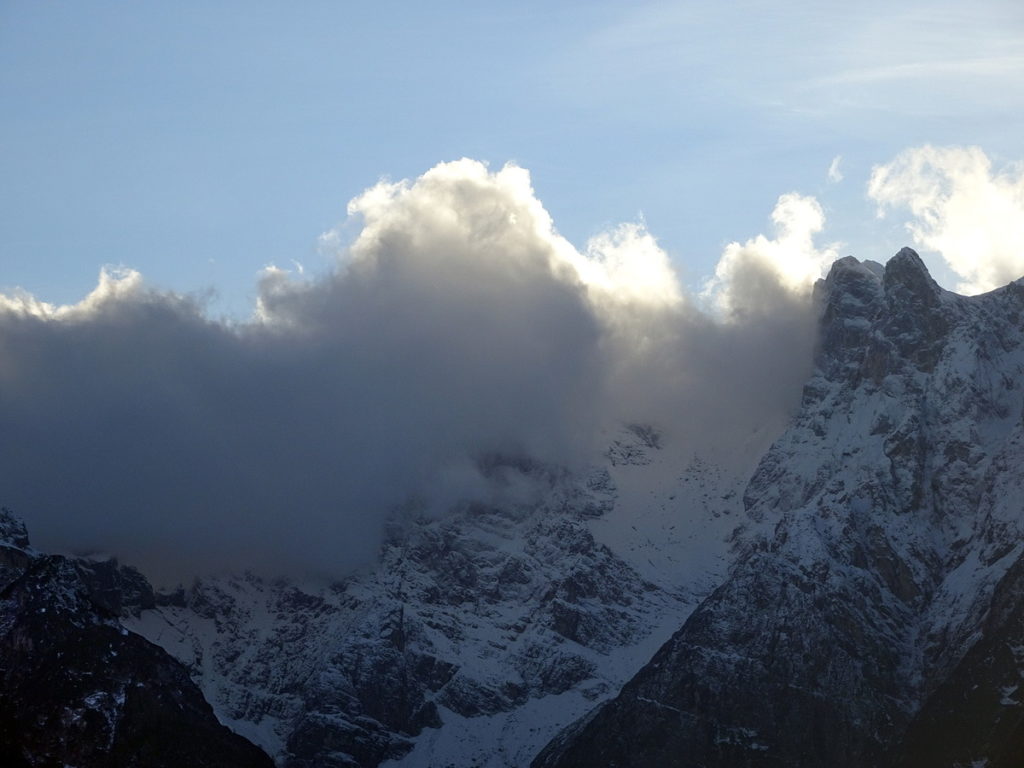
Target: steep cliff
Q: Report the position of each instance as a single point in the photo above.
(873, 594)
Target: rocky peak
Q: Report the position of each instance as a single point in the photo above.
(907, 281)
(14, 547)
(917, 321)
(12, 530)
(876, 320)
(850, 296)
(852, 288)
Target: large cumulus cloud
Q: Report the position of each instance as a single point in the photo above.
(457, 325)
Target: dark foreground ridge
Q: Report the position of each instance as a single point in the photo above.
(77, 689)
(875, 616)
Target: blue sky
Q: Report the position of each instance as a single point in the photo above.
(200, 142)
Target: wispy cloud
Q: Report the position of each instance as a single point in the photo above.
(835, 175)
(973, 67)
(798, 59)
(963, 208)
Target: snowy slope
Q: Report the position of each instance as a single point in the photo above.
(878, 528)
(481, 633)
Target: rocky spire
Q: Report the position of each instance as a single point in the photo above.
(908, 283)
(917, 322)
(851, 296)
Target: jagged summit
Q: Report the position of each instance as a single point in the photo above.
(907, 281)
(850, 286)
(854, 266)
(876, 319)
(907, 257)
(904, 278)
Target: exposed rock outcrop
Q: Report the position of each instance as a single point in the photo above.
(77, 688)
(875, 597)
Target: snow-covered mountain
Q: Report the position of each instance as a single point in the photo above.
(481, 633)
(874, 615)
(850, 594)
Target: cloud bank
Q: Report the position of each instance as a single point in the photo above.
(458, 325)
(962, 208)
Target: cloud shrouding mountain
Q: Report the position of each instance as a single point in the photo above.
(458, 324)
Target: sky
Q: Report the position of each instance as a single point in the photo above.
(269, 272)
(200, 142)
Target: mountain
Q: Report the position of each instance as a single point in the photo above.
(874, 614)
(77, 688)
(481, 632)
(847, 593)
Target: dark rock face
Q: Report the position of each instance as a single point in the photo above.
(76, 688)
(12, 530)
(976, 716)
(884, 540)
(118, 589)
